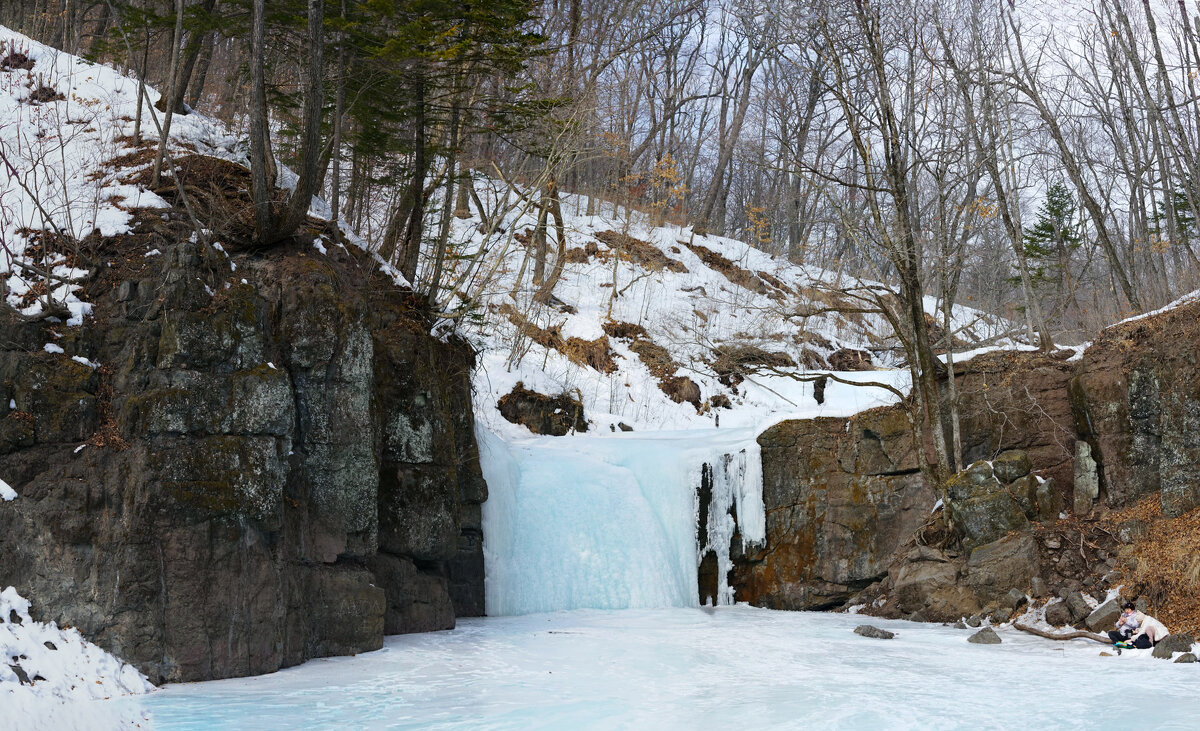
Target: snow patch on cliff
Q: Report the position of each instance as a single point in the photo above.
(50, 676)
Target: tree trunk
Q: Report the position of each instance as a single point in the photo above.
(174, 76)
(311, 171)
(261, 165)
(546, 291)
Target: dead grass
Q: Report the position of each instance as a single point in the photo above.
(734, 273)
(642, 253)
(592, 353)
(1164, 566)
(44, 94)
(740, 360)
(218, 191)
(16, 60)
(658, 361)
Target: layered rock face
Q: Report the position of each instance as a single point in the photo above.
(840, 496)
(1136, 401)
(252, 468)
(847, 506)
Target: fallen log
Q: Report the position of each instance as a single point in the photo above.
(1079, 634)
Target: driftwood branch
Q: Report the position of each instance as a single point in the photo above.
(1081, 634)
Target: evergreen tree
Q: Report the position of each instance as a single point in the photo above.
(1051, 241)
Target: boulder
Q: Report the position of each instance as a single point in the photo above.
(996, 568)
(1172, 644)
(967, 483)
(1013, 600)
(541, 414)
(916, 582)
(867, 630)
(1077, 605)
(1132, 530)
(985, 636)
(1104, 616)
(1186, 657)
(1058, 613)
(1011, 465)
(1048, 501)
(987, 517)
(1024, 491)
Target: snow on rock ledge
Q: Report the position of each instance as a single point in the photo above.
(49, 675)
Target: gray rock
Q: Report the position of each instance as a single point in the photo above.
(1087, 480)
(974, 621)
(1013, 600)
(1011, 465)
(960, 625)
(985, 636)
(1172, 644)
(1038, 587)
(998, 567)
(1058, 613)
(1077, 605)
(987, 517)
(1024, 491)
(1048, 501)
(1104, 616)
(247, 493)
(867, 630)
(1001, 615)
(1186, 657)
(930, 587)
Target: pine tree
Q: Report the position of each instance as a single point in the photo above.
(1051, 241)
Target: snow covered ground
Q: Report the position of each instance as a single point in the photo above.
(732, 667)
(53, 679)
(712, 293)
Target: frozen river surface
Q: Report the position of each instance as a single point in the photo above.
(729, 668)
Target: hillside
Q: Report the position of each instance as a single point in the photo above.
(658, 328)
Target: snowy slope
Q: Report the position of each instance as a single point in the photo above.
(49, 677)
(698, 297)
(62, 119)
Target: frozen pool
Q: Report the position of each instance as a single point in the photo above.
(731, 667)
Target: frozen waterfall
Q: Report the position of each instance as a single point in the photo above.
(609, 522)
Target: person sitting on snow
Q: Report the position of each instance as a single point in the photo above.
(1127, 624)
(1149, 631)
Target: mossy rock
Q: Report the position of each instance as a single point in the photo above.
(1011, 466)
(986, 518)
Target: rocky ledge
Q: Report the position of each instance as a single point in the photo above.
(238, 464)
(1055, 445)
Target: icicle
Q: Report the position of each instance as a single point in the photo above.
(736, 506)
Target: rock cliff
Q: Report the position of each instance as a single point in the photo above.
(850, 518)
(238, 463)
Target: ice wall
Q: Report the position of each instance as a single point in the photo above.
(609, 522)
(736, 491)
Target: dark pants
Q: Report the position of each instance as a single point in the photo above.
(1142, 642)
